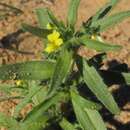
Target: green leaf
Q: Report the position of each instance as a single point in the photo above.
(89, 119)
(53, 18)
(38, 124)
(6, 88)
(62, 69)
(46, 16)
(33, 70)
(59, 24)
(84, 102)
(40, 109)
(43, 17)
(72, 13)
(7, 121)
(40, 95)
(97, 45)
(97, 86)
(42, 33)
(38, 117)
(104, 10)
(126, 77)
(66, 125)
(109, 21)
(32, 91)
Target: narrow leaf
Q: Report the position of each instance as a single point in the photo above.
(104, 10)
(33, 70)
(72, 13)
(97, 45)
(42, 33)
(97, 86)
(39, 110)
(126, 77)
(62, 69)
(7, 121)
(84, 102)
(109, 21)
(32, 91)
(40, 96)
(59, 24)
(6, 88)
(39, 116)
(43, 17)
(38, 124)
(66, 125)
(89, 119)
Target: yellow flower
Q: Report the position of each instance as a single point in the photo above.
(18, 82)
(49, 27)
(53, 36)
(50, 48)
(54, 41)
(93, 37)
(96, 37)
(59, 42)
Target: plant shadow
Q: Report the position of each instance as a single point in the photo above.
(12, 41)
(122, 97)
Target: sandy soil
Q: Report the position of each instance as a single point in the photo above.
(117, 35)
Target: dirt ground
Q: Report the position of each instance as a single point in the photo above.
(117, 35)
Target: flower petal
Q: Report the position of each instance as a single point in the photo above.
(50, 37)
(56, 34)
(50, 48)
(59, 42)
(53, 36)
